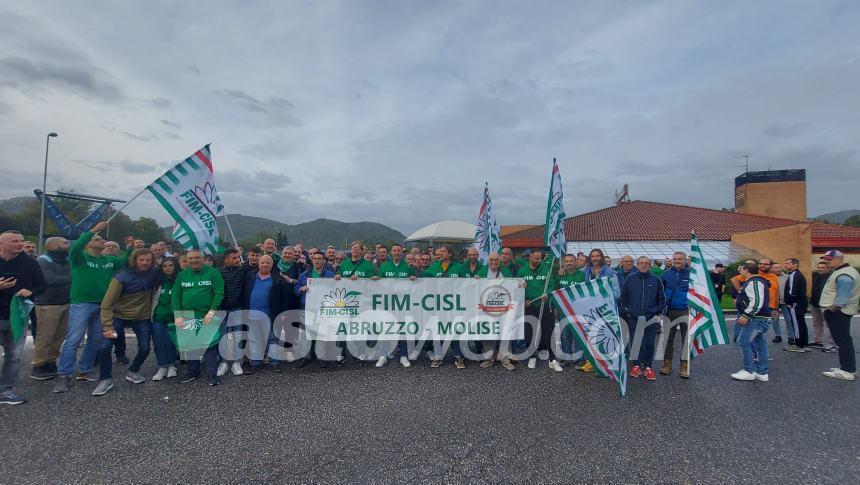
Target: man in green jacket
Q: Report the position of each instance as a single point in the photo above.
(539, 283)
(197, 295)
(91, 272)
(445, 267)
(357, 266)
(568, 275)
(396, 267)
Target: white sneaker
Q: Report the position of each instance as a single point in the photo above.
(405, 362)
(222, 369)
(236, 369)
(382, 361)
(171, 372)
(362, 357)
(543, 355)
(743, 375)
(159, 374)
(554, 365)
(761, 377)
(532, 363)
(840, 374)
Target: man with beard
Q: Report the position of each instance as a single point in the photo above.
(129, 299)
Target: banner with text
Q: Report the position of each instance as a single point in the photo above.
(426, 309)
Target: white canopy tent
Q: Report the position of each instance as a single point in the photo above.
(456, 232)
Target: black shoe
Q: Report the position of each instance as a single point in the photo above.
(214, 380)
(42, 373)
(816, 345)
(302, 363)
(189, 378)
(323, 364)
(121, 360)
(51, 367)
(249, 369)
(777, 340)
(276, 368)
(791, 342)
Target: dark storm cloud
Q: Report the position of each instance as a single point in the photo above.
(85, 80)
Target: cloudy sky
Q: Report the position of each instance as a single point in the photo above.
(398, 111)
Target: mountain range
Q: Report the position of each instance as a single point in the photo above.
(837, 217)
(319, 232)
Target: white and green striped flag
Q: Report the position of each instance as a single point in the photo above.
(187, 192)
(707, 323)
(589, 308)
(554, 238)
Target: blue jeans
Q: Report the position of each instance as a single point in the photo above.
(439, 349)
(645, 359)
(84, 318)
(165, 349)
(119, 341)
(752, 340)
(14, 351)
(234, 325)
(142, 330)
(210, 357)
(785, 311)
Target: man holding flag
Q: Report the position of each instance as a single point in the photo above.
(187, 192)
(707, 323)
(20, 277)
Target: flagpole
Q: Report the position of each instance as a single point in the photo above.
(230, 228)
(126, 204)
(545, 286)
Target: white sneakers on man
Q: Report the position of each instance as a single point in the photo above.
(743, 375)
(222, 369)
(236, 369)
(382, 361)
(404, 361)
(554, 365)
(532, 363)
(160, 374)
(839, 374)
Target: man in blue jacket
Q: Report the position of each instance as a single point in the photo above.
(317, 270)
(643, 300)
(676, 281)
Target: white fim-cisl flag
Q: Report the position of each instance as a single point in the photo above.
(487, 238)
(187, 192)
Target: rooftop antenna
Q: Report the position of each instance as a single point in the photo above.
(746, 165)
(624, 196)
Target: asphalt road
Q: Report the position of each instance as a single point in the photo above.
(361, 424)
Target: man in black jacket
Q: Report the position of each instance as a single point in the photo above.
(233, 275)
(52, 308)
(643, 302)
(19, 275)
(794, 297)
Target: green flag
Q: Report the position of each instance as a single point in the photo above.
(19, 315)
(554, 238)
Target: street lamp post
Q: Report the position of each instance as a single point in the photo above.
(44, 194)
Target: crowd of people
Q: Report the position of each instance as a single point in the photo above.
(88, 293)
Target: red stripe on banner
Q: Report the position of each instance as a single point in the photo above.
(203, 158)
(572, 313)
(700, 296)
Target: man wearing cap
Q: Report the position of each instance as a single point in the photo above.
(840, 298)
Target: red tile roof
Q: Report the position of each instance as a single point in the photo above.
(828, 231)
(642, 220)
